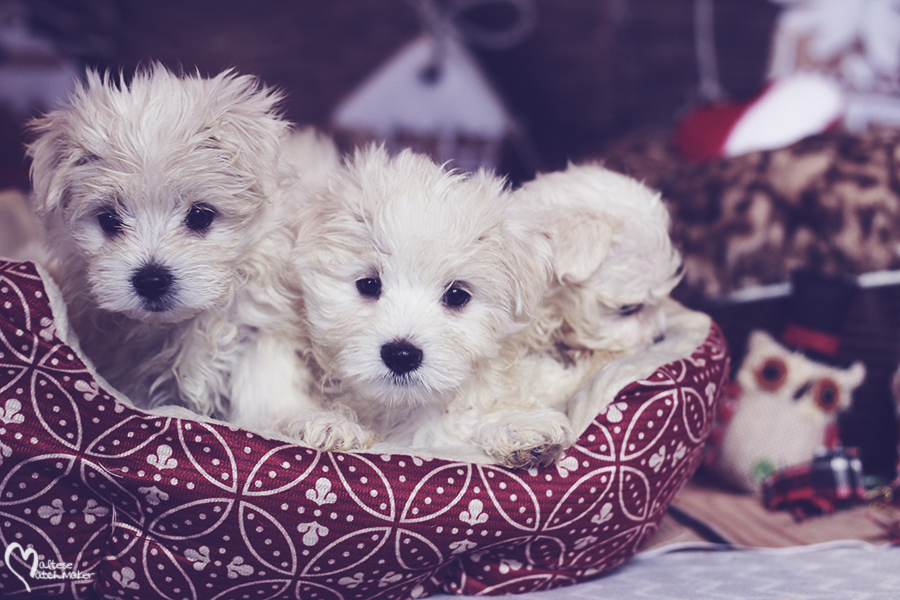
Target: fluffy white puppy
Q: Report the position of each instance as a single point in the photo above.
(166, 198)
(416, 282)
(613, 262)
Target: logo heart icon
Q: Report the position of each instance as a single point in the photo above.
(25, 555)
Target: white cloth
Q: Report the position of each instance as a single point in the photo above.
(832, 571)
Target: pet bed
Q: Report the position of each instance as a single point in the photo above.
(100, 499)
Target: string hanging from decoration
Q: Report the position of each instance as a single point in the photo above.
(710, 89)
(452, 19)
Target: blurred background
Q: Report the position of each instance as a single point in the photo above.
(571, 74)
(765, 172)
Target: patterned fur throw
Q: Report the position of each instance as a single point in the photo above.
(830, 202)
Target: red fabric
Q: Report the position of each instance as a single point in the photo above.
(143, 506)
(809, 339)
(702, 133)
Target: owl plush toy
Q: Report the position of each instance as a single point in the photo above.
(787, 410)
(789, 392)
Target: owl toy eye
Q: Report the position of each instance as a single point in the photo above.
(827, 395)
(770, 375)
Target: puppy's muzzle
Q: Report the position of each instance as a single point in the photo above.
(401, 357)
(152, 282)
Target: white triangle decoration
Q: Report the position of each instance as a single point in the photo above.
(397, 98)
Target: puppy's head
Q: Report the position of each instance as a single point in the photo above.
(613, 258)
(158, 187)
(414, 277)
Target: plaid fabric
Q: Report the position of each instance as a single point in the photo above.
(831, 480)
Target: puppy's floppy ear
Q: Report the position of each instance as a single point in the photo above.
(245, 123)
(55, 150)
(48, 152)
(515, 239)
(528, 255)
(580, 240)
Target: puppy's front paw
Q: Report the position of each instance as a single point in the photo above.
(528, 439)
(332, 431)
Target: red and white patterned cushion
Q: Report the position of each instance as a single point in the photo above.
(131, 505)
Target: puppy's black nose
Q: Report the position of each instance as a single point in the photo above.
(401, 357)
(152, 281)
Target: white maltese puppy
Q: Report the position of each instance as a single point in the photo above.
(613, 262)
(166, 198)
(416, 283)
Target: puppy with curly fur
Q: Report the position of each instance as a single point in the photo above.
(166, 198)
(613, 262)
(416, 283)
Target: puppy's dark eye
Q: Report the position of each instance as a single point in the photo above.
(370, 287)
(110, 222)
(86, 159)
(630, 309)
(199, 218)
(456, 297)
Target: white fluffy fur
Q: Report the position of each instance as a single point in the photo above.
(612, 255)
(148, 151)
(421, 231)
